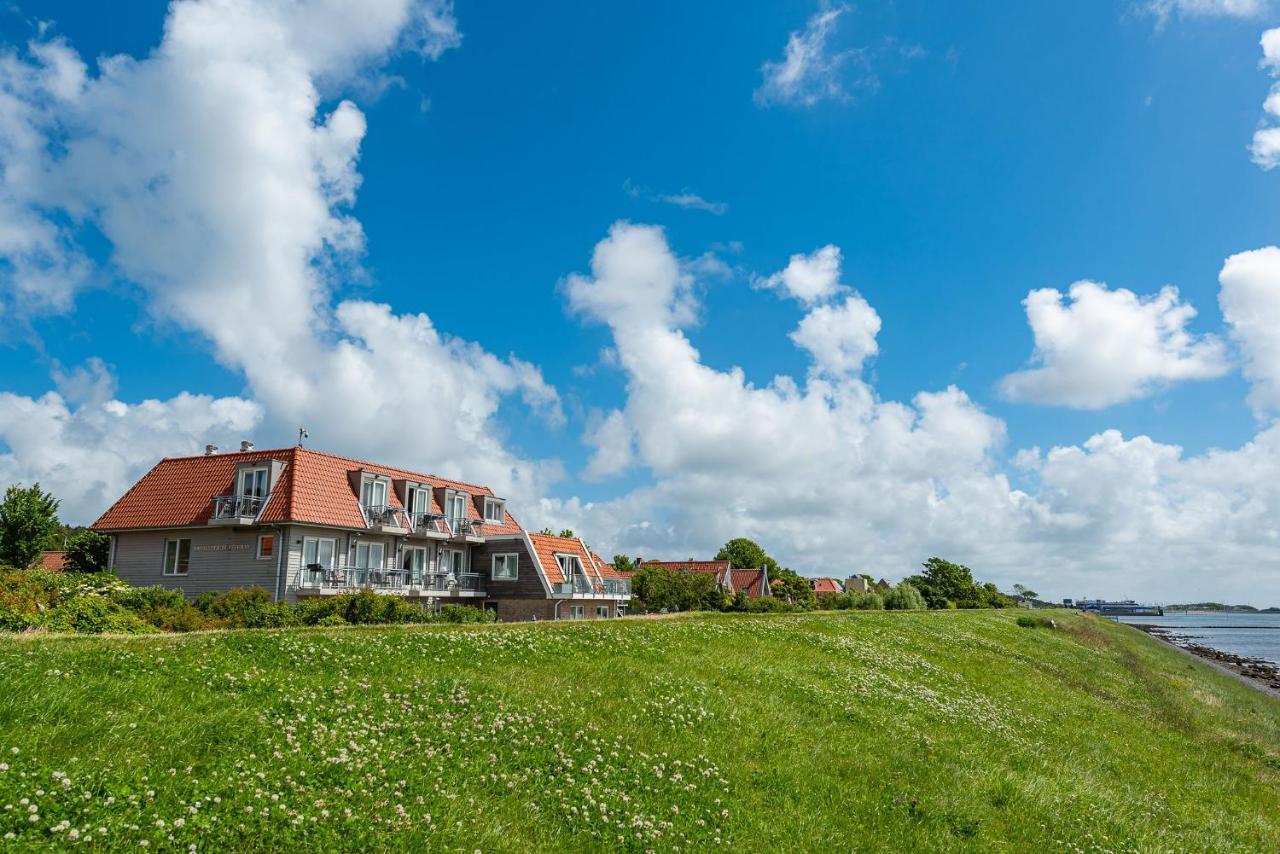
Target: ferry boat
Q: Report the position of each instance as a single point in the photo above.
(1126, 608)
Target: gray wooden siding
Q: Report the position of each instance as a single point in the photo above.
(527, 582)
(221, 558)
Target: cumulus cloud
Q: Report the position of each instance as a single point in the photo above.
(839, 337)
(225, 191)
(1250, 303)
(1163, 10)
(810, 70)
(1266, 139)
(87, 447)
(835, 479)
(1108, 346)
(811, 278)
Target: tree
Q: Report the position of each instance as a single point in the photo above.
(28, 521)
(567, 534)
(654, 588)
(1024, 593)
(746, 554)
(792, 587)
(88, 551)
(622, 563)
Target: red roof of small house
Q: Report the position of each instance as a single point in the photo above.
(607, 570)
(53, 561)
(826, 585)
(546, 547)
(313, 487)
(749, 581)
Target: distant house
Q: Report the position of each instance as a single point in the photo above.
(825, 586)
(857, 584)
(752, 581)
(53, 561)
(883, 586)
(302, 523)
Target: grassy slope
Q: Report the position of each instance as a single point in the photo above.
(853, 731)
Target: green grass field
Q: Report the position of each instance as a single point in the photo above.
(848, 731)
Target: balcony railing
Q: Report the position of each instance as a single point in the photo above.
(384, 515)
(465, 527)
(234, 507)
(429, 523)
(580, 586)
(317, 577)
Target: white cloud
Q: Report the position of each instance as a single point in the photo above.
(832, 479)
(810, 71)
(1106, 347)
(839, 337)
(686, 198)
(1266, 140)
(1250, 303)
(88, 448)
(225, 193)
(1163, 10)
(811, 278)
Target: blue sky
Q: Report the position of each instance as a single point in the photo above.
(960, 157)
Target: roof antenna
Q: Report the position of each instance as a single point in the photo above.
(302, 434)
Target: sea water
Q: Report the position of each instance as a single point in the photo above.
(1252, 635)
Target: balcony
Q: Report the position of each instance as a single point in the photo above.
(348, 579)
(431, 525)
(466, 530)
(385, 519)
(579, 586)
(235, 509)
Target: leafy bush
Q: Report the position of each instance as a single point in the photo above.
(94, 615)
(769, 605)
(331, 620)
(904, 597)
(88, 551)
(1030, 621)
(870, 601)
(465, 614)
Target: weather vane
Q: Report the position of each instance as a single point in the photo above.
(302, 434)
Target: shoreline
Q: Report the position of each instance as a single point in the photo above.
(1255, 672)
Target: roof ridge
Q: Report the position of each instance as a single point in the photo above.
(345, 458)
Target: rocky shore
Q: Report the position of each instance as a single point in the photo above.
(1255, 670)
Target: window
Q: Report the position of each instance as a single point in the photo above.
(266, 546)
(504, 567)
(369, 555)
(454, 561)
(456, 507)
(493, 512)
(577, 612)
(602, 612)
(177, 556)
(319, 551)
(373, 492)
(415, 565)
(253, 483)
(419, 500)
(569, 564)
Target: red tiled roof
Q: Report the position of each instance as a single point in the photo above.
(313, 487)
(750, 581)
(53, 561)
(607, 570)
(546, 547)
(826, 585)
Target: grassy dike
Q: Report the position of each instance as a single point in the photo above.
(842, 731)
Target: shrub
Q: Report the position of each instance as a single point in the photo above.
(93, 615)
(904, 597)
(871, 601)
(769, 605)
(1029, 621)
(88, 551)
(331, 620)
(465, 614)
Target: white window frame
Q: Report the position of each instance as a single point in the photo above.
(576, 566)
(273, 539)
(501, 515)
(406, 563)
(515, 567)
(450, 500)
(602, 612)
(369, 485)
(368, 551)
(246, 474)
(177, 557)
(577, 612)
(333, 551)
(419, 494)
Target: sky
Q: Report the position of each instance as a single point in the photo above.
(867, 284)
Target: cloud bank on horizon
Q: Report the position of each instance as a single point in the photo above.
(257, 219)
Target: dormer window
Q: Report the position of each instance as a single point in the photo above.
(455, 507)
(253, 483)
(569, 565)
(419, 500)
(494, 512)
(373, 492)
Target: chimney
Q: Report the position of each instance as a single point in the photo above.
(246, 445)
(210, 450)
